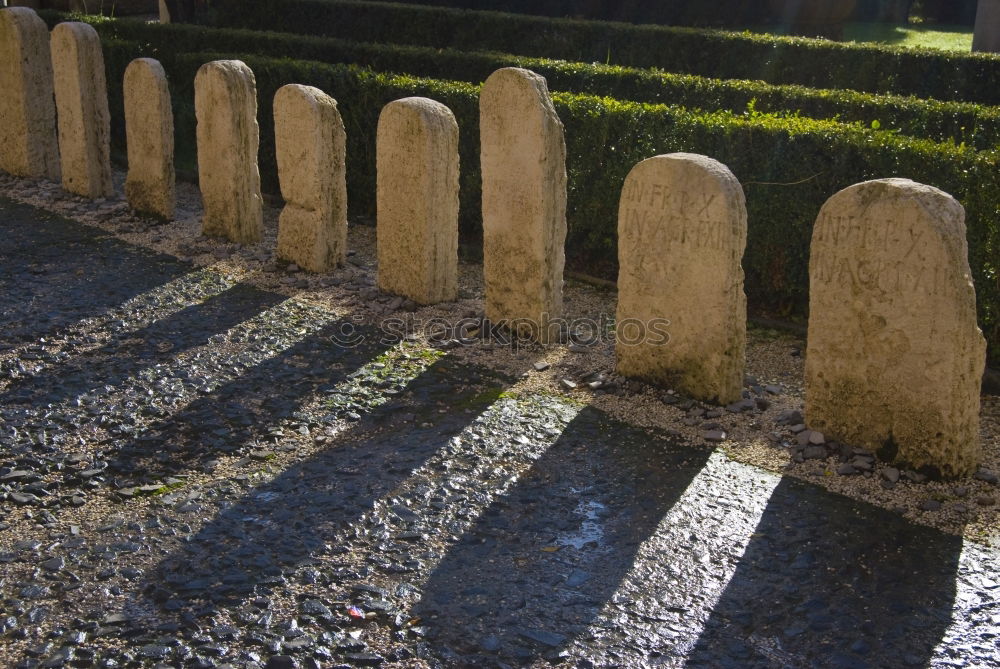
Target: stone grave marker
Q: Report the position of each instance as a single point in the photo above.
(894, 359)
(681, 317)
(311, 145)
(84, 122)
(225, 103)
(523, 163)
(28, 143)
(418, 200)
(149, 129)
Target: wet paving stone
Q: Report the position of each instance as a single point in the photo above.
(200, 473)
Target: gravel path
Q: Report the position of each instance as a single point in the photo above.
(209, 459)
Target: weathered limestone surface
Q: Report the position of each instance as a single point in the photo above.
(311, 147)
(82, 104)
(28, 145)
(987, 31)
(523, 157)
(417, 158)
(149, 128)
(894, 357)
(682, 230)
(225, 105)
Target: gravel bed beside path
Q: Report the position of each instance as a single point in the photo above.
(208, 459)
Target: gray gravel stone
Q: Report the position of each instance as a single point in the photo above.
(890, 474)
(814, 453)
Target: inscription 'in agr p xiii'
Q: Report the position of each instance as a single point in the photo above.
(658, 215)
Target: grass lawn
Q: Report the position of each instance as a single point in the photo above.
(948, 38)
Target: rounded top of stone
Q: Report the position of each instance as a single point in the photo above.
(518, 76)
(425, 107)
(895, 185)
(226, 66)
(309, 94)
(78, 29)
(146, 66)
(21, 15)
(709, 167)
(934, 201)
(517, 93)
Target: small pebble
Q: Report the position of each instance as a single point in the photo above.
(715, 436)
(890, 474)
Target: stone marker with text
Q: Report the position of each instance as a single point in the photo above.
(84, 122)
(895, 359)
(682, 228)
(149, 128)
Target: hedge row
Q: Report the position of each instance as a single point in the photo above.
(725, 55)
(717, 13)
(788, 167)
(960, 122)
(664, 12)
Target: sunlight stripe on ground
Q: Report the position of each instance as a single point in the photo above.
(699, 542)
(485, 481)
(976, 615)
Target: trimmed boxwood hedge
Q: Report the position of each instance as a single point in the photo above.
(665, 12)
(925, 73)
(788, 167)
(960, 122)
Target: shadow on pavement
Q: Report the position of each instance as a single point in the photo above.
(542, 561)
(238, 415)
(829, 581)
(56, 272)
(157, 343)
(254, 544)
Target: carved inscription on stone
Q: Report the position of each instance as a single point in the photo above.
(894, 358)
(681, 235)
(862, 260)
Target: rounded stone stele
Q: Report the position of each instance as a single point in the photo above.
(149, 128)
(681, 317)
(310, 144)
(417, 160)
(228, 137)
(895, 359)
(28, 143)
(84, 122)
(523, 164)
